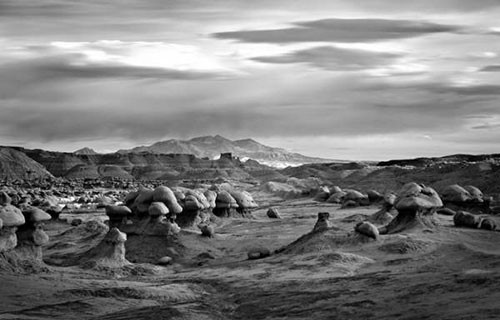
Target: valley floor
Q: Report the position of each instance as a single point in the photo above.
(444, 273)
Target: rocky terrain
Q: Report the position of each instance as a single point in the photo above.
(145, 235)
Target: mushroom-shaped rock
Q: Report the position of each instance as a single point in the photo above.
(322, 224)
(455, 194)
(416, 205)
(476, 195)
(211, 196)
(466, 219)
(34, 214)
(367, 229)
(199, 197)
(117, 215)
(190, 216)
(418, 197)
(31, 233)
(11, 216)
(273, 213)
(244, 200)
(223, 204)
(191, 203)
(109, 253)
(225, 200)
(166, 195)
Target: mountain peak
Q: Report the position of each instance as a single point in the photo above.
(213, 146)
(85, 150)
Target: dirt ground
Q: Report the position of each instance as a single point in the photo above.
(443, 273)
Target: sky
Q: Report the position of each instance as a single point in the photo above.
(339, 79)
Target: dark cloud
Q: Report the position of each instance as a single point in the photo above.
(341, 30)
(491, 68)
(335, 59)
(74, 66)
(466, 90)
(487, 126)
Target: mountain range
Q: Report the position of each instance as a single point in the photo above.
(212, 146)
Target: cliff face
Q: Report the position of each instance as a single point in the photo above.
(131, 165)
(15, 164)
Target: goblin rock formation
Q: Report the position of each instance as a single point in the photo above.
(416, 205)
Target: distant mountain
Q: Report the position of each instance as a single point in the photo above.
(85, 151)
(212, 146)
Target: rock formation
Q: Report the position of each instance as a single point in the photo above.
(416, 205)
(322, 223)
(367, 229)
(11, 218)
(109, 253)
(273, 213)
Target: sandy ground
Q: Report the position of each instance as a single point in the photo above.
(444, 273)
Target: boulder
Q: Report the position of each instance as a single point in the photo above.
(488, 224)
(446, 211)
(157, 209)
(336, 197)
(258, 253)
(273, 213)
(455, 194)
(466, 219)
(367, 229)
(11, 216)
(166, 260)
(211, 196)
(476, 195)
(207, 230)
(374, 196)
(142, 201)
(167, 196)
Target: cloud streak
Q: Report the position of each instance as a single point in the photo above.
(341, 30)
(334, 59)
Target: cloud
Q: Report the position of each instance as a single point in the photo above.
(63, 68)
(108, 59)
(471, 90)
(491, 68)
(341, 30)
(335, 59)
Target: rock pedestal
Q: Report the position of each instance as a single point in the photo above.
(416, 206)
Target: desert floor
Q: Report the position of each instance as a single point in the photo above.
(443, 273)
